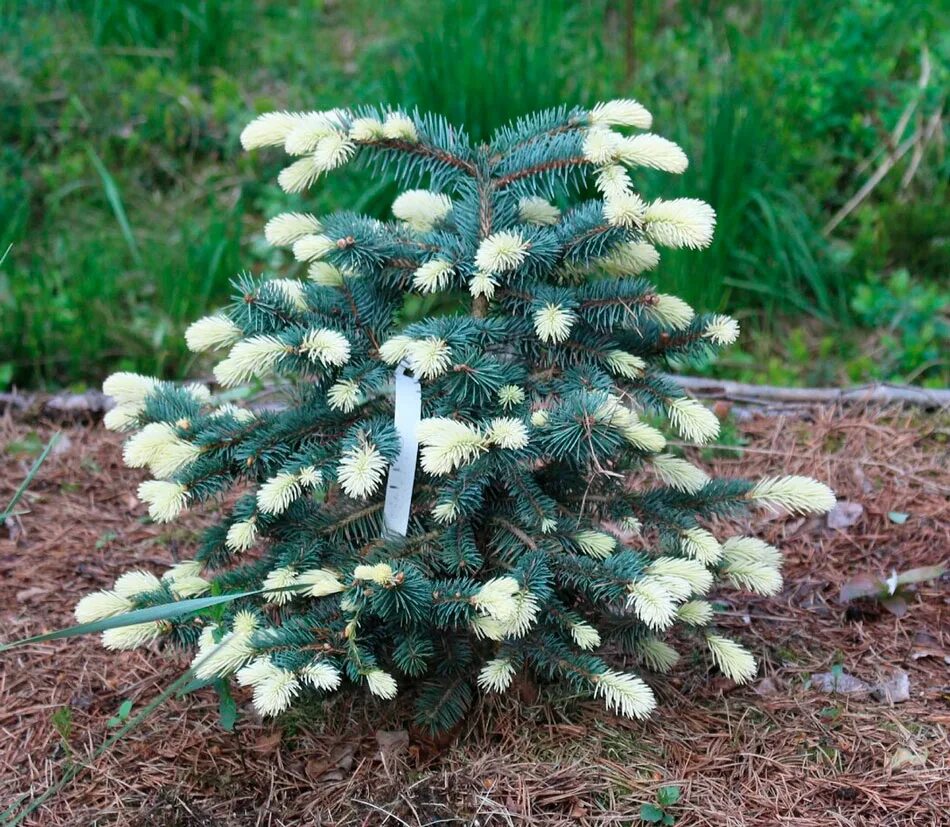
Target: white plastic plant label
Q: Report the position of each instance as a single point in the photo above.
(402, 473)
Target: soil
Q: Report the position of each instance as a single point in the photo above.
(782, 751)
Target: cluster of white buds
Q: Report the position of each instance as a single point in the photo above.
(344, 395)
(671, 311)
(624, 364)
(433, 276)
(798, 495)
(501, 251)
(322, 141)
(630, 259)
(701, 545)
(319, 583)
(259, 354)
(681, 576)
(614, 414)
(422, 210)
(280, 585)
(596, 544)
(285, 229)
(626, 694)
(657, 655)
(510, 395)
(326, 274)
(212, 332)
(274, 687)
(165, 499)
(734, 660)
(505, 610)
(320, 138)
(682, 222)
(497, 254)
(429, 357)
(184, 579)
(751, 564)
(536, 210)
(507, 432)
(692, 420)
(217, 658)
(448, 444)
(361, 470)
(242, 534)
(667, 584)
(159, 447)
(553, 323)
(277, 493)
(653, 602)
(678, 473)
(381, 684)
(118, 601)
(496, 675)
(128, 391)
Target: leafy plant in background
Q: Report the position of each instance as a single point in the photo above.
(912, 321)
(519, 549)
(843, 74)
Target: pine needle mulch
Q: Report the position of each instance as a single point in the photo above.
(780, 752)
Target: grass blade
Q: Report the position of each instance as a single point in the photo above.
(34, 470)
(114, 197)
(165, 611)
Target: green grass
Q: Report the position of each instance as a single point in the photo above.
(483, 63)
(127, 205)
(201, 33)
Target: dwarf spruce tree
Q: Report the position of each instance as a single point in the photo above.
(551, 529)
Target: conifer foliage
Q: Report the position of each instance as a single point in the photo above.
(553, 531)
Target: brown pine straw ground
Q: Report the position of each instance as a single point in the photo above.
(776, 753)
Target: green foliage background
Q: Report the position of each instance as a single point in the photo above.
(127, 205)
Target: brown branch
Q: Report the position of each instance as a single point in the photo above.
(401, 263)
(517, 532)
(878, 393)
(356, 315)
(600, 229)
(427, 150)
(480, 303)
(645, 299)
(557, 130)
(547, 166)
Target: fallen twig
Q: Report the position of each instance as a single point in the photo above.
(59, 407)
(75, 407)
(883, 393)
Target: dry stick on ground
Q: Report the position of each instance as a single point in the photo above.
(877, 393)
(75, 407)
